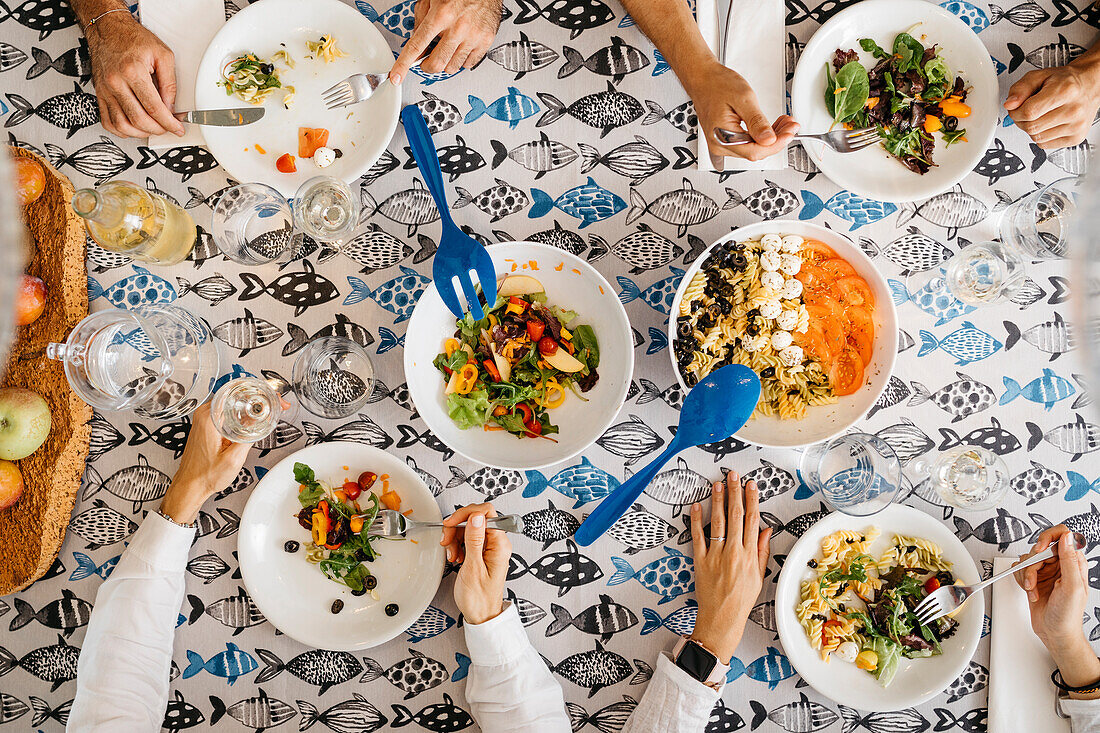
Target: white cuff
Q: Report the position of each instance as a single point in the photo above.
(160, 543)
(1072, 707)
(687, 684)
(499, 640)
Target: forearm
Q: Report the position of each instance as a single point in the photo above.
(86, 10)
(674, 702)
(673, 30)
(1077, 663)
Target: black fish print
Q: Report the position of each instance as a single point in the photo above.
(497, 201)
(44, 16)
(454, 160)
(599, 668)
(411, 675)
(529, 612)
(1087, 523)
(238, 612)
(1077, 438)
(801, 716)
(1058, 53)
(610, 719)
(101, 525)
(972, 721)
(198, 198)
(343, 328)
(799, 11)
(55, 663)
(67, 614)
(172, 435)
(683, 117)
(681, 207)
(631, 440)
(188, 160)
(771, 480)
(604, 110)
(907, 440)
(70, 111)
(105, 437)
(319, 667)
(299, 289)
(1001, 530)
(973, 679)
(721, 448)
(363, 430)
(412, 207)
(102, 160)
(74, 62)
(43, 711)
(1028, 15)
(643, 250)
(181, 715)
(522, 56)
(723, 719)
(1068, 12)
(492, 482)
(1037, 482)
(409, 436)
(386, 163)
(259, 713)
(376, 249)
(350, 716)
(640, 530)
(208, 567)
(961, 398)
(573, 15)
(998, 162)
(994, 438)
(604, 619)
(439, 115)
(242, 481)
(899, 721)
(896, 391)
(10, 56)
(399, 394)
(564, 239)
(444, 717)
(213, 289)
(770, 202)
(637, 160)
(566, 570)
(548, 525)
(616, 61)
(285, 434)
(679, 486)
(673, 396)
(797, 526)
(138, 483)
(539, 156)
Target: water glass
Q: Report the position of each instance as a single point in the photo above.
(332, 376)
(248, 409)
(967, 477)
(857, 474)
(254, 224)
(1038, 223)
(985, 273)
(326, 209)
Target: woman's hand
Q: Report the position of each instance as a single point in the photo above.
(209, 464)
(1057, 106)
(730, 572)
(484, 554)
(465, 29)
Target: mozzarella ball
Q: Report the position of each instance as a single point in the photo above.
(770, 308)
(771, 241)
(787, 320)
(791, 289)
(791, 356)
(790, 264)
(792, 243)
(770, 260)
(847, 651)
(772, 280)
(781, 340)
(324, 157)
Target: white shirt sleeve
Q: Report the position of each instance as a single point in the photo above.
(510, 689)
(122, 676)
(1084, 715)
(674, 702)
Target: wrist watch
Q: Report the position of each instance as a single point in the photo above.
(699, 662)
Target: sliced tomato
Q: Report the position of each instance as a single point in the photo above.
(824, 303)
(286, 164)
(813, 343)
(861, 331)
(837, 268)
(846, 373)
(816, 251)
(309, 139)
(813, 278)
(854, 290)
(830, 327)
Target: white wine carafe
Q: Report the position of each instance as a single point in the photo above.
(123, 217)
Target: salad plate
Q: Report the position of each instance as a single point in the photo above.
(872, 172)
(916, 680)
(294, 595)
(557, 281)
(360, 132)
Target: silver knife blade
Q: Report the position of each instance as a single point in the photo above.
(222, 117)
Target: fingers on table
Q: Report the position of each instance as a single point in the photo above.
(698, 540)
(752, 514)
(717, 511)
(735, 500)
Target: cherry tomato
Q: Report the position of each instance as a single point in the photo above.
(286, 164)
(837, 268)
(830, 327)
(535, 329)
(861, 331)
(854, 290)
(366, 480)
(846, 372)
(351, 490)
(547, 346)
(931, 585)
(816, 251)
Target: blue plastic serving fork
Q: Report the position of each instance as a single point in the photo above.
(713, 410)
(458, 253)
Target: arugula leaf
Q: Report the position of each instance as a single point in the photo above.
(303, 474)
(851, 87)
(950, 137)
(909, 51)
(584, 338)
(870, 46)
(469, 410)
(512, 423)
(936, 72)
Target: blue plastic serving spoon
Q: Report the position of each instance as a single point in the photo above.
(713, 410)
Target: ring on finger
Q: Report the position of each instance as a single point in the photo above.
(717, 539)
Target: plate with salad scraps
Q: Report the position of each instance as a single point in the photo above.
(806, 309)
(281, 55)
(844, 604)
(306, 557)
(540, 378)
(917, 73)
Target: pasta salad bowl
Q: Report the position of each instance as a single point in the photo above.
(813, 391)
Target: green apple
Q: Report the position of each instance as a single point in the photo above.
(24, 423)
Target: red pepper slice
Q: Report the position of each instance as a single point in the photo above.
(491, 367)
(525, 412)
(535, 329)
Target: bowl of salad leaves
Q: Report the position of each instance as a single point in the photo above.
(915, 72)
(539, 378)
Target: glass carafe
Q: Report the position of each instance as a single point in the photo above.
(160, 361)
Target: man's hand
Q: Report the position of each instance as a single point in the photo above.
(465, 29)
(209, 464)
(1057, 589)
(134, 78)
(729, 572)
(484, 554)
(1056, 106)
(724, 99)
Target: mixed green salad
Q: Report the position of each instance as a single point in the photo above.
(909, 94)
(506, 371)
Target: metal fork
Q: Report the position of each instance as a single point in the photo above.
(947, 598)
(842, 141)
(356, 88)
(394, 525)
(458, 253)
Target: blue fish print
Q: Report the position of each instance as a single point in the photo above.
(1001, 68)
(848, 206)
(1045, 390)
(589, 202)
(511, 108)
(388, 340)
(463, 670)
(432, 622)
(626, 22)
(142, 288)
(398, 295)
(658, 341)
(968, 13)
(1079, 486)
(680, 621)
(139, 341)
(231, 664)
(582, 483)
(668, 577)
(772, 668)
(236, 372)
(657, 296)
(660, 66)
(86, 567)
(398, 20)
(179, 620)
(934, 299)
(968, 344)
(429, 79)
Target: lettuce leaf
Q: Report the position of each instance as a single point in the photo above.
(469, 410)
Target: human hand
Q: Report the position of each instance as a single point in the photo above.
(134, 78)
(209, 464)
(465, 29)
(1056, 106)
(479, 588)
(730, 572)
(1057, 589)
(724, 99)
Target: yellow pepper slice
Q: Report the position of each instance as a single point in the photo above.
(467, 378)
(553, 395)
(450, 346)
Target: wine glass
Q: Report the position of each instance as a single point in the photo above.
(253, 224)
(332, 376)
(967, 477)
(248, 409)
(858, 474)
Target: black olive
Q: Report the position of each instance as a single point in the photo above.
(811, 563)
(950, 123)
(266, 68)
(360, 592)
(684, 359)
(291, 546)
(752, 329)
(392, 609)
(370, 582)
(684, 329)
(725, 306)
(337, 606)
(755, 312)
(714, 310)
(768, 373)
(338, 153)
(840, 607)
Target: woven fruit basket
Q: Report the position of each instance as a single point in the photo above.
(31, 532)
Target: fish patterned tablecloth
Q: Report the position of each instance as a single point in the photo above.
(572, 107)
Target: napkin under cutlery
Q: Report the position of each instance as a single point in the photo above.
(186, 28)
(754, 48)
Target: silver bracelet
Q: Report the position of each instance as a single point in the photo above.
(94, 20)
(193, 525)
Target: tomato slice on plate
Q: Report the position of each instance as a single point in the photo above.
(812, 343)
(861, 331)
(813, 279)
(309, 139)
(816, 251)
(846, 373)
(854, 290)
(830, 326)
(837, 268)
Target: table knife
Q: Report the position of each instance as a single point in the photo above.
(222, 117)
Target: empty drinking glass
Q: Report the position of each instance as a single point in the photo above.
(1038, 223)
(985, 273)
(253, 224)
(966, 476)
(247, 409)
(858, 473)
(326, 209)
(332, 376)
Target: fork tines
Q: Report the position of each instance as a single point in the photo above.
(339, 94)
(928, 610)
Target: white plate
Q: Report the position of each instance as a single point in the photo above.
(293, 594)
(361, 131)
(571, 284)
(917, 680)
(827, 421)
(872, 172)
